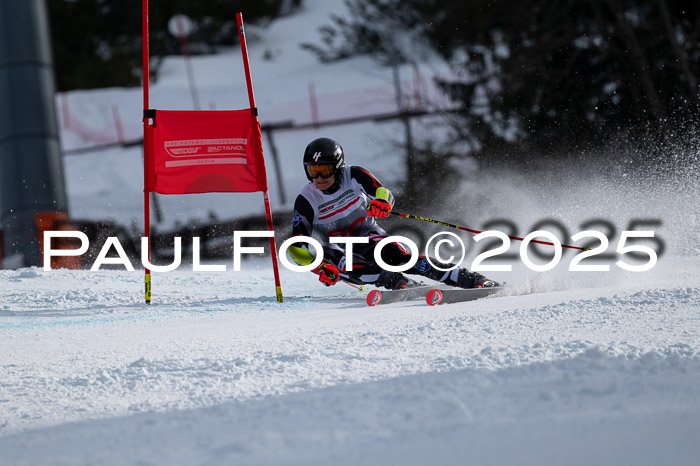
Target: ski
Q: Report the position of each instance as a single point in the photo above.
(376, 297)
(457, 295)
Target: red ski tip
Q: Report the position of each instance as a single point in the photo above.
(374, 297)
(434, 297)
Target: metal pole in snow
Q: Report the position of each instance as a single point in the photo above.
(314, 104)
(31, 169)
(118, 123)
(188, 62)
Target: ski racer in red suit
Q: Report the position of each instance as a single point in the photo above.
(342, 200)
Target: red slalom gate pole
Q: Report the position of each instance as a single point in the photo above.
(266, 197)
(146, 104)
(450, 225)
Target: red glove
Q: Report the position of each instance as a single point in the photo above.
(328, 274)
(378, 208)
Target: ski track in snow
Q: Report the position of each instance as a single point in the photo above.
(576, 411)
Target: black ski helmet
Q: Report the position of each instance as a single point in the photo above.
(325, 151)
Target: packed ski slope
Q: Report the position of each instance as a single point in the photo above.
(216, 372)
(564, 367)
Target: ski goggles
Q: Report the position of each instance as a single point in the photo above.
(324, 171)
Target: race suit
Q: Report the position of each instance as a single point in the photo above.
(342, 211)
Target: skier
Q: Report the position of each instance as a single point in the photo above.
(342, 200)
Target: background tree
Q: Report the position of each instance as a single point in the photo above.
(540, 77)
(97, 43)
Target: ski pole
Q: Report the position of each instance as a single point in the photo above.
(357, 287)
(450, 225)
(303, 257)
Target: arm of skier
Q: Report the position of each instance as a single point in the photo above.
(382, 201)
(302, 225)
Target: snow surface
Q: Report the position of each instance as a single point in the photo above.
(563, 368)
(216, 372)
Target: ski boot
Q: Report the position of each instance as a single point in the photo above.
(395, 281)
(467, 279)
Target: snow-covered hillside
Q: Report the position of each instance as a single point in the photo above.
(216, 372)
(581, 368)
(112, 177)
